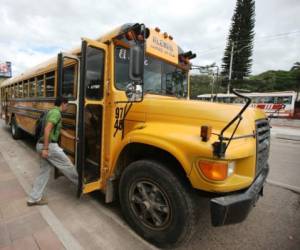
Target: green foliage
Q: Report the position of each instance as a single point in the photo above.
(202, 84)
(279, 80)
(241, 34)
(199, 84)
(268, 81)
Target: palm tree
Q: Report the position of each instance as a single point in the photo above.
(296, 66)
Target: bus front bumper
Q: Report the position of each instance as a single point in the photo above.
(234, 208)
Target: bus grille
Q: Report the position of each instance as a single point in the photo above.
(262, 144)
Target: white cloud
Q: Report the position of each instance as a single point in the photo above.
(36, 30)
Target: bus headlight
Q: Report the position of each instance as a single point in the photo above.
(231, 168)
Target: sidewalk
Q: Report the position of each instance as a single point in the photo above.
(66, 222)
(21, 227)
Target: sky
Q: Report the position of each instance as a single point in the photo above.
(33, 31)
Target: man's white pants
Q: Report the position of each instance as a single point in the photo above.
(57, 158)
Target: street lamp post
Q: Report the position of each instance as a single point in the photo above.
(231, 62)
(230, 68)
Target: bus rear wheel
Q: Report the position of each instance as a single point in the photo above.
(156, 204)
(16, 132)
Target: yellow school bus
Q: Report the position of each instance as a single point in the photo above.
(140, 139)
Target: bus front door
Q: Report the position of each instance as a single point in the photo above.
(90, 115)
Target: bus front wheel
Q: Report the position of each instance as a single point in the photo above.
(156, 204)
(16, 132)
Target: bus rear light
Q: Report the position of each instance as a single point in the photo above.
(212, 170)
(205, 133)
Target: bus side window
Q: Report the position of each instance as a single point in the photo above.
(16, 90)
(20, 95)
(287, 99)
(50, 84)
(68, 89)
(25, 86)
(269, 99)
(12, 91)
(32, 87)
(280, 99)
(260, 100)
(40, 86)
(7, 91)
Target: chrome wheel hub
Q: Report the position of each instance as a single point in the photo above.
(150, 204)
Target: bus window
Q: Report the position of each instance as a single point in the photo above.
(32, 87)
(287, 100)
(20, 95)
(40, 86)
(16, 90)
(260, 100)
(25, 90)
(68, 81)
(12, 94)
(268, 99)
(159, 77)
(11, 91)
(254, 99)
(50, 84)
(94, 77)
(7, 91)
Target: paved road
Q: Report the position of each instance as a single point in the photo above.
(285, 157)
(90, 223)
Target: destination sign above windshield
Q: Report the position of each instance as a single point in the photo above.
(162, 47)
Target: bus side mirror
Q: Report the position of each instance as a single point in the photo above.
(134, 90)
(136, 63)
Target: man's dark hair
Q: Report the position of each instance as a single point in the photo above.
(59, 100)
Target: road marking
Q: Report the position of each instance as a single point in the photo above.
(283, 185)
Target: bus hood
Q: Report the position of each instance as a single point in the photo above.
(194, 113)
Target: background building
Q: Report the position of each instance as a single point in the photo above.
(5, 71)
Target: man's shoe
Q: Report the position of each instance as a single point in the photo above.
(41, 202)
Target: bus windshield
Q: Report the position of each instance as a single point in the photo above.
(160, 77)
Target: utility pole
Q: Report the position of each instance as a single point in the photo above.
(230, 68)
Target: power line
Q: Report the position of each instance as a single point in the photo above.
(258, 39)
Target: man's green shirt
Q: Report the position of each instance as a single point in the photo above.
(54, 116)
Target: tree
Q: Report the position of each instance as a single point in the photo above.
(296, 66)
(241, 36)
(295, 71)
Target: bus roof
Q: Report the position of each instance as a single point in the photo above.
(281, 93)
(154, 40)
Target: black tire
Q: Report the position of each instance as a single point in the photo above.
(174, 218)
(16, 132)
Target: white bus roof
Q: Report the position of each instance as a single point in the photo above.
(282, 93)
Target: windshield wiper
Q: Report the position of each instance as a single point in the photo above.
(220, 146)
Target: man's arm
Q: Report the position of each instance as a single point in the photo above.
(47, 132)
(66, 134)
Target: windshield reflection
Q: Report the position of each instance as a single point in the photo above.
(159, 77)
